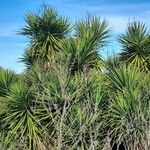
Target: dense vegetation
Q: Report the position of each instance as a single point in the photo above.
(69, 97)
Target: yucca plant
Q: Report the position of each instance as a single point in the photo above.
(128, 112)
(45, 29)
(93, 29)
(82, 52)
(136, 45)
(18, 120)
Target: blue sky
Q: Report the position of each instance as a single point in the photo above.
(118, 12)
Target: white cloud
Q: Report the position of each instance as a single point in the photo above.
(118, 23)
(120, 14)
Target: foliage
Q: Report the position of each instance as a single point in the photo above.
(129, 108)
(82, 52)
(136, 45)
(45, 29)
(7, 78)
(70, 98)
